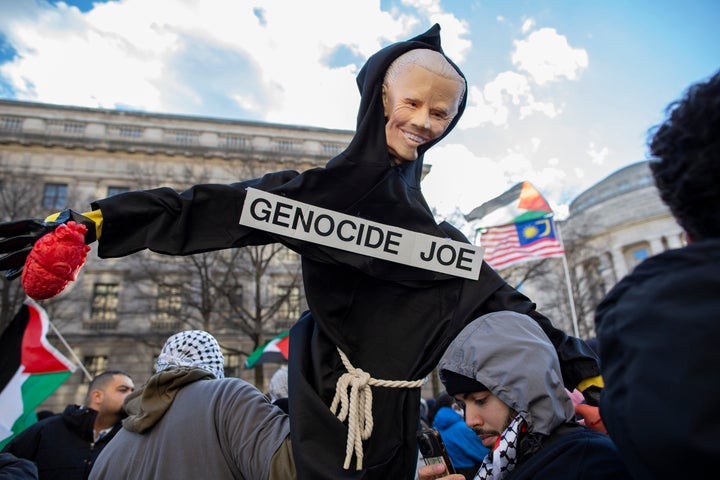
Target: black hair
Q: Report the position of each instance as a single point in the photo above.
(100, 381)
(685, 159)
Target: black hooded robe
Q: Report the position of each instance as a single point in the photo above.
(391, 320)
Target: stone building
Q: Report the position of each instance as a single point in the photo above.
(120, 311)
(612, 226)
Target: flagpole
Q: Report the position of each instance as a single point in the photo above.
(576, 331)
(72, 353)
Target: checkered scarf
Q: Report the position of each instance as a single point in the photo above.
(501, 461)
(192, 348)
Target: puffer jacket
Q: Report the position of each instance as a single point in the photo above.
(62, 446)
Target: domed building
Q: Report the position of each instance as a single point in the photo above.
(612, 227)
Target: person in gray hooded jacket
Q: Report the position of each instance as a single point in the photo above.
(189, 422)
(503, 370)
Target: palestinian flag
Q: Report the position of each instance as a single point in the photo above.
(30, 369)
(274, 351)
(521, 203)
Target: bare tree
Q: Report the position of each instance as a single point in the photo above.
(248, 291)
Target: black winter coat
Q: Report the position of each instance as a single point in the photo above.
(62, 445)
(573, 452)
(658, 334)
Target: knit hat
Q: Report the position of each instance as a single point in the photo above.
(456, 383)
(192, 348)
(279, 384)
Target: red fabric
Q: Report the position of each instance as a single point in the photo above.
(284, 345)
(35, 356)
(55, 261)
(530, 199)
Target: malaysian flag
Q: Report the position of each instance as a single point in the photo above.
(507, 245)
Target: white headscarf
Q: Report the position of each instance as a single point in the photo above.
(192, 348)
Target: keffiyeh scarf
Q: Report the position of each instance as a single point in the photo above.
(502, 460)
(192, 348)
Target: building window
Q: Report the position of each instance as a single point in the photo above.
(234, 142)
(229, 303)
(290, 307)
(331, 148)
(233, 364)
(131, 132)
(183, 137)
(634, 254)
(234, 297)
(10, 124)
(61, 127)
(55, 195)
(169, 305)
(95, 365)
(103, 312)
(74, 128)
(286, 146)
(116, 190)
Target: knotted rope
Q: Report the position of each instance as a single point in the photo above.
(357, 406)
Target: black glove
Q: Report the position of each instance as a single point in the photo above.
(592, 395)
(17, 239)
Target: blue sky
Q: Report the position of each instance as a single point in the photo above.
(562, 93)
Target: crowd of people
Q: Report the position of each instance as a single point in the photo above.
(353, 397)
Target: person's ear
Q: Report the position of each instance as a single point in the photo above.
(97, 396)
(385, 101)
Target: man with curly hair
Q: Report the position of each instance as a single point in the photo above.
(658, 329)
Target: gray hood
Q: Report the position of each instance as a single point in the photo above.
(510, 354)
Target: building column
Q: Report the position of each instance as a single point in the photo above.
(656, 246)
(675, 241)
(618, 262)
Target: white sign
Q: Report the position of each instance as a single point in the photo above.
(290, 218)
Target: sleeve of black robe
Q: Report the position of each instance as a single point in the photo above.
(206, 217)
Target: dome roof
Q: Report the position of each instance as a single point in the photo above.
(636, 176)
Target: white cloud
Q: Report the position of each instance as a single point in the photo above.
(546, 108)
(547, 56)
(141, 55)
(597, 155)
(493, 104)
(459, 178)
(527, 25)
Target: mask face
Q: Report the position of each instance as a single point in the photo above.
(419, 106)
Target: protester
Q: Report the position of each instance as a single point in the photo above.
(65, 446)
(373, 323)
(504, 372)
(189, 422)
(657, 329)
(465, 449)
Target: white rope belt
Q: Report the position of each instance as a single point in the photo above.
(357, 407)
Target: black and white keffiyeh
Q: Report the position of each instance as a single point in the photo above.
(192, 348)
(501, 461)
